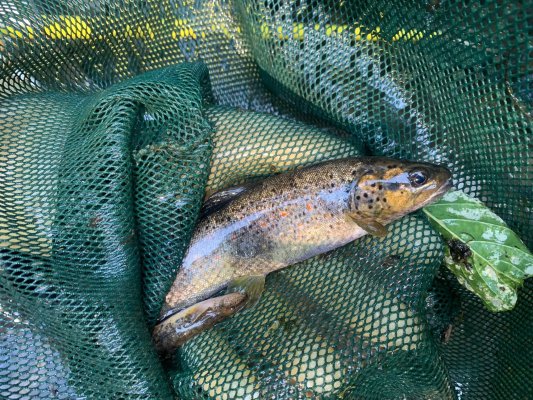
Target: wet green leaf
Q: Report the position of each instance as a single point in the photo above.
(486, 256)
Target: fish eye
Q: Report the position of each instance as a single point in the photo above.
(418, 178)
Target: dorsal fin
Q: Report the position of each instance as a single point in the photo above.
(220, 199)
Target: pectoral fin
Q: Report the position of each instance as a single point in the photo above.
(372, 227)
(252, 286)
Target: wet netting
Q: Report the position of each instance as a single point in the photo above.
(118, 117)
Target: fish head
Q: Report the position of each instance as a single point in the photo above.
(390, 188)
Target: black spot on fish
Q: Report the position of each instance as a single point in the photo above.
(365, 195)
(373, 185)
(377, 198)
(380, 187)
(358, 197)
(370, 201)
(384, 199)
(392, 166)
(370, 206)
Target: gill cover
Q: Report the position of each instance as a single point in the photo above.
(363, 206)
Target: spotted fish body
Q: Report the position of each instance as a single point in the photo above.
(294, 216)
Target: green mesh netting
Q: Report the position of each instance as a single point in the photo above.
(111, 135)
(337, 324)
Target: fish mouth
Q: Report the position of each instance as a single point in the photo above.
(441, 191)
(445, 187)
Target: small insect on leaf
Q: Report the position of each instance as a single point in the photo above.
(460, 252)
(487, 257)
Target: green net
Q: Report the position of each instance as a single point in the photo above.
(112, 131)
(335, 324)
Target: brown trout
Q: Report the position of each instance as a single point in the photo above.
(294, 216)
